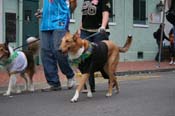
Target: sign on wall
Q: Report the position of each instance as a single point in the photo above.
(155, 18)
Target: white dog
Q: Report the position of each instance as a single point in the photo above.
(19, 63)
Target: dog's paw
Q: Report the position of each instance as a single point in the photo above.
(18, 91)
(32, 89)
(108, 94)
(6, 94)
(26, 88)
(116, 91)
(89, 94)
(74, 100)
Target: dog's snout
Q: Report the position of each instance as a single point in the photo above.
(62, 51)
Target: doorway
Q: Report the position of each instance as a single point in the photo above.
(30, 22)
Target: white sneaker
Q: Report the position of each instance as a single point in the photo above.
(171, 62)
(71, 83)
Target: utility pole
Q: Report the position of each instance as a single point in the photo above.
(162, 29)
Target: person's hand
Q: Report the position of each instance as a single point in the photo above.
(38, 13)
(79, 31)
(73, 5)
(102, 30)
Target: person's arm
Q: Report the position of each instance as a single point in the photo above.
(106, 7)
(169, 3)
(79, 29)
(73, 5)
(171, 38)
(166, 37)
(105, 19)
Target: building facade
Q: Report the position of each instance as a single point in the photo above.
(17, 21)
(140, 18)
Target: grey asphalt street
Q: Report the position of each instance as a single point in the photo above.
(138, 97)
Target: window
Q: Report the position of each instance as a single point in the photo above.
(139, 12)
(28, 15)
(112, 15)
(10, 22)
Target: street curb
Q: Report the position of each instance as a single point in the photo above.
(123, 73)
(143, 71)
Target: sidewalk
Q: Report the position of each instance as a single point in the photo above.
(124, 68)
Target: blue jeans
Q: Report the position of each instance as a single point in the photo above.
(51, 58)
(96, 38)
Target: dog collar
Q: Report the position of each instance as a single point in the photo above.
(10, 59)
(86, 54)
(77, 55)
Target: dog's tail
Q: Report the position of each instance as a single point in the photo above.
(33, 45)
(127, 44)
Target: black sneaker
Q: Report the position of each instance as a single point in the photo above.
(52, 88)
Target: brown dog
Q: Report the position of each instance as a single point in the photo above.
(19, 62)
(91, 57)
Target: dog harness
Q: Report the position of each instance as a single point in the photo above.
(86, 54)
(17, 62)
(10, 59)
(96, 60)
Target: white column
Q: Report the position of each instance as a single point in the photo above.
(1, 21)
(20, 2)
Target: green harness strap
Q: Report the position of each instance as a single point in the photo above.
(10, 59)
(84, 56)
